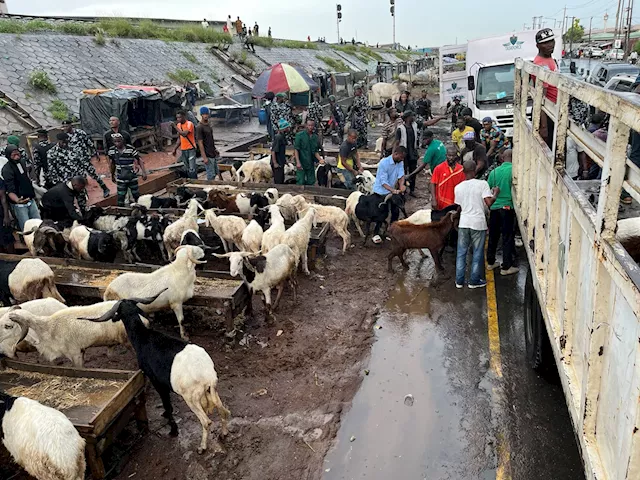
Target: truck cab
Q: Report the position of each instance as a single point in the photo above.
(490, 74)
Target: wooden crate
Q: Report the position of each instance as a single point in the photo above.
(100, 418)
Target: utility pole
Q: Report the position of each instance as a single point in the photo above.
(393, 16)
(618, 12)
(338, 18)
(571, 37)
(590, 20)
(564, 18)
(627, 38)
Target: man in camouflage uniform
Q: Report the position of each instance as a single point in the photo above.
(315, 113)
(82, 151)
(455, 109)
(358, 114)
(63, 166)
(281, 110)
(40, 156)
(338, 117)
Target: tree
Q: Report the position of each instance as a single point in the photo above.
(575, 33)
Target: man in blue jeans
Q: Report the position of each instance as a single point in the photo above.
(473, 196)
(18, 187)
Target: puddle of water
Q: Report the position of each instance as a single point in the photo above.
(392, 439)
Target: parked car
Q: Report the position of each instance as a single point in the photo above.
(602, 72)
(621, 83)
(615, 54)
(594, 52)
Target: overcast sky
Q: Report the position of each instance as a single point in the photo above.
(418, 22)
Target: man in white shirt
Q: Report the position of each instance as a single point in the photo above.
(473, 196)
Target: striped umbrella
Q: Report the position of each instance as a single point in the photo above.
(283, 77)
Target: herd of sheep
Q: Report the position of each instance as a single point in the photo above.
(265, 252)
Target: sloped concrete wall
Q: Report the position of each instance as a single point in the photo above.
(76, 63)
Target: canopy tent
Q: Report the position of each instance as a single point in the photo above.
(283, 77)
(135, 106)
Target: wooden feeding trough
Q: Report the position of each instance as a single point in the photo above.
(368, 157)
(99, 403)
(216, 290)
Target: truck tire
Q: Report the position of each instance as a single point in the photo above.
(538, 348)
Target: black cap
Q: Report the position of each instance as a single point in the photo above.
(62, 136)
(544, 35)
(68, 121)
(42, 131)
(408, 113)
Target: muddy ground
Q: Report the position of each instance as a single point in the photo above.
(286, 393)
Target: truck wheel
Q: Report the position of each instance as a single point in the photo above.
(539, 354)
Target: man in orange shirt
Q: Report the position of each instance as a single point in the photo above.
(187, 144)
(444, 180)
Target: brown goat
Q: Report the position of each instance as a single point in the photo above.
(430, 235)
(222, 200)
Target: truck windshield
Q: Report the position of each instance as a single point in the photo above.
(495, 84)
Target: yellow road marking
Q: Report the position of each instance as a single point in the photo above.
(494, 332)
(503, 471)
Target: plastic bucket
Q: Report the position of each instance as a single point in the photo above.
(262, 116)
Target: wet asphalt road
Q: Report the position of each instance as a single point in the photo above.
(465, 422)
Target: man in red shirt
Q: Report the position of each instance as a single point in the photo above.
(545, 42)
(444, 179)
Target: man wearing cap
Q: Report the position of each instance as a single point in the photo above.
(207, 146)
(125, 160)
(15, 141)
(186, 143)
(18, 187)
(40, 152)
(337, 117)
(545, 41)
(455, 109)
(407, 137)
(58, 161)
(307, 152)
(472, 122)
(358, 113)
(493, 138)
(279, 151)
(114, 127)
(82, 151)
(474, 151)
(281, 110)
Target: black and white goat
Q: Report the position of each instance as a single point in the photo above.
(151, 201)
(184, 194)
(89, 244)
(41, 440)
(370, 209)
(172, 365)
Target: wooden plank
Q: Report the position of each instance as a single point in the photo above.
(75, 372)
(150, 186)
(332, 151)
(118, 403)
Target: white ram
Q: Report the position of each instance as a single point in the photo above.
(173, 233)
(334, 216)
(228, 227)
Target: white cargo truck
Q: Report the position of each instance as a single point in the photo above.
(490, 65)
(582, 296)
(453, 73)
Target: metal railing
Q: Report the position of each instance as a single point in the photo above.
(587, 284)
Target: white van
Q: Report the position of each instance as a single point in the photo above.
(490, 73)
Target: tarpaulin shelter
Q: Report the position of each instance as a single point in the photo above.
(135, 106)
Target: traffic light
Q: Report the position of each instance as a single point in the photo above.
(339, 7)
(339, 10)
(339, 16)
(392, 10)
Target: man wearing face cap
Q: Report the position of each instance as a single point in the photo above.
(474, 151)
(545, 41)
(18, 187)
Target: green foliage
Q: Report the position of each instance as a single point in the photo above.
(234, 56)
(350, 49)
(404, 56)
(250, 64)
(369, 52)
(243, 57)
(575, 33)
(363, 58)
(636, 47)
(58, 110)
(191, 57)
(214, 76)
(335, 65)
(3, 104)
(99, 39)
(120, 28)
(295, 44)
(181, 76)
(39, 80)
(265, 42)
(206, 88)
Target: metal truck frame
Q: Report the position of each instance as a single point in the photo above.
(583, 289)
